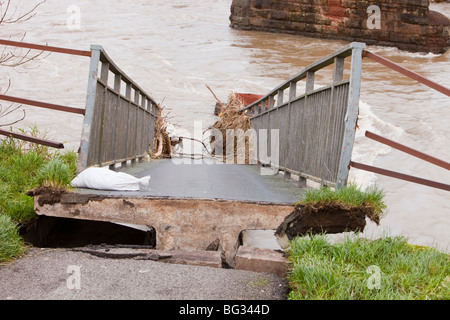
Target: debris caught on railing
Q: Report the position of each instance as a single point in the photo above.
(231, 117)
(219, 105)
(162, 146)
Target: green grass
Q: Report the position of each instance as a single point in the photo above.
(11, 244)
(24, 166)
(351, 195)
(320, 270)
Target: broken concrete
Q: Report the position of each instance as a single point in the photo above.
(187, 224)
(261, 260)
(187, 257)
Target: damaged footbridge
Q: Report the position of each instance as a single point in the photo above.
(204, 204)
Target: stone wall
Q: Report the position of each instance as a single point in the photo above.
(405, 24)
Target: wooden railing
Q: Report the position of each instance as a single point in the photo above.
(316, 128)
(119, 118)
(118, 127)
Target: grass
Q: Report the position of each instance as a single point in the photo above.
(360, 269)
(351, 195)
(24, 166)
(11, 244)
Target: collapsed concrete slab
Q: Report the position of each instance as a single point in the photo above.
(261, 260)
(180, 223)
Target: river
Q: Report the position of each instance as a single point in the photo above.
(173, 48)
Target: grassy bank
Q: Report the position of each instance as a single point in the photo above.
(351, 196)
(24, 166)
(362, 269)
(384, 269)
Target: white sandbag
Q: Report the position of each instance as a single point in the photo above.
(106, 179)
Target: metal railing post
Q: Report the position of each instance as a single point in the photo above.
(90, 105)
(351, 116)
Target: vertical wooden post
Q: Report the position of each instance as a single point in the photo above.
(90, 106)
(310, 75)
(280, 97)
(292, 96)
(338, 71)
(117, 84)
(128, 96)
(104, 73)
(338, 75)
(352, 113)
(310, 78)
(136, 127)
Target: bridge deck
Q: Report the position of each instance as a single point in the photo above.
(190, 206)
(208, 181)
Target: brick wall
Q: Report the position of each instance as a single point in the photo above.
(406, 24)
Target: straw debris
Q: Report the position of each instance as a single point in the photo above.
(231, 118)
(161, 143)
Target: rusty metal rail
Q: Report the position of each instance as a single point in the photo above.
(402, 176)
(45, 48)
(407, 72)
(117, 127)
(44, 142)
(408, 150)
(418, 154)
(40, 104)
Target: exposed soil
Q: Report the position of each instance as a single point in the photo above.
(47, 195)
(324, 218)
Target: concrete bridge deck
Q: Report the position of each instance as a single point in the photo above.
(191, 206)
(201, 180)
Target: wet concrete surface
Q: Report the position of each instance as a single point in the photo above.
(65, 274)
(204, 180)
